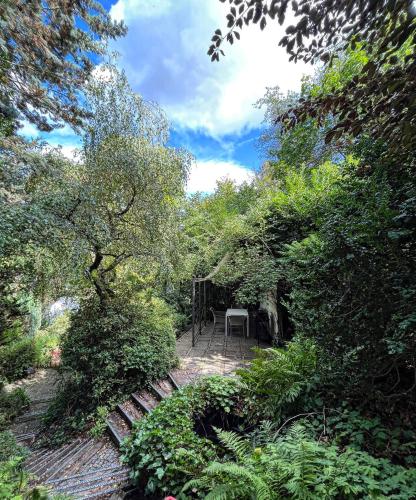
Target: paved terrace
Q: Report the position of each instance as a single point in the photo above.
(214, 353)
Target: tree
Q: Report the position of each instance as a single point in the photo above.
(47, 49)
(120, 201)
(380, 99)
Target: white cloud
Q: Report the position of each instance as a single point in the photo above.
(165, 57)
(28, 130)
(70, 152)
(143, 8)
(205, 174)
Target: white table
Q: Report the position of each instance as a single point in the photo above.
(236, 312)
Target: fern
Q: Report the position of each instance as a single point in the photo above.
(231, 481)
(234, 443)
(296, 466)
(277, 377)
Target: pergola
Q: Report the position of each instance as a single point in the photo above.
(201, 299)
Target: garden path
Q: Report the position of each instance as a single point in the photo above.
(90, 468)
(214, 353)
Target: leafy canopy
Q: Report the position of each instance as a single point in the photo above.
(47, 49)
(380, 98)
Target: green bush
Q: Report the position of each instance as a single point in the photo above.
(346, 426)
(277, 377)
(16, 357)
(361, 252)
(165, 450)
(298, 467)
(9, 447)
(13, 479)
(110, 351)
(48, 340)
(11, 405)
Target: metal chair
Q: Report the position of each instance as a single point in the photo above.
(219, 319)
(238, 322)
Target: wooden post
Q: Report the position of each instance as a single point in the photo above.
(193, 312)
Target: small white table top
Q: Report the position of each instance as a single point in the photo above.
(236, 312)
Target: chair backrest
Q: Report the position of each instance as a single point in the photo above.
(236, 320)
(219, 316)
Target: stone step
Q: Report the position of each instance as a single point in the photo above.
(141, 403)
(125, 414)
(28, 417)
(165, 386)
(173, 381)
(115, 436)
(118, 427)
(131, 408)
(150, 400)
(156, 391)
(26, 438)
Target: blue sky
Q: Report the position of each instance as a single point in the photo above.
(210, 105)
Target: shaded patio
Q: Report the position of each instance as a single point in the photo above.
(214, 353)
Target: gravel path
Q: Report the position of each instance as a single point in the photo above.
(41, 385)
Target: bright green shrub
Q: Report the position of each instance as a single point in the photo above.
(48, 340)
(165, 450)
(295, 466)
(44, 345)
(16, 357)
(13, 479)
(277, 377)
(9, 447)
(111, 350)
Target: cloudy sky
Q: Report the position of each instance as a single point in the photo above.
(210, 105)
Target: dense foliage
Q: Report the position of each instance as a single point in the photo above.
(12, 404)
(329, 236)
(46, 56)
(210, 440)
(165, 450)
(13, 481)
(324, 235)
(111, 351)
(380, 98)
(296, 466)
(277, 377)
(105, 244)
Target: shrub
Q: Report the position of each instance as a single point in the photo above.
(16, 358)
(11, 405)
(296, 466)
(110, 351)
(340, 275)
(165, 450)
(13, 478)
(277, 377)
(47, 341)
(346, 426)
